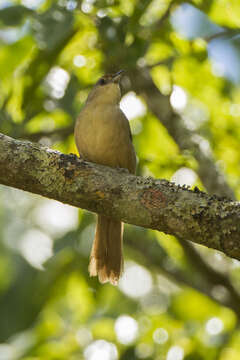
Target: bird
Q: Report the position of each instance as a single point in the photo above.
(103, 136)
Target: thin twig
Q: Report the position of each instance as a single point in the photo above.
(227, 33)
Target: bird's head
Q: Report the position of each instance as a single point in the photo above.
(107, 89)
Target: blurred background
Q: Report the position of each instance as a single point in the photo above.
(181, 93)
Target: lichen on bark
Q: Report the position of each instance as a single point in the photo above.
(152, 203)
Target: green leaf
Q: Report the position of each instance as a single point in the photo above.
(14, 15)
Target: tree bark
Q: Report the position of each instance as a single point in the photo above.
(157, 204)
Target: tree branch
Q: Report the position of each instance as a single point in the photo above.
(225, 33)
(147, 202)
(160, 106)
(209, 173)
(165, 16)
(205, 280)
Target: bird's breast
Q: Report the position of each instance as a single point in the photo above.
(100, 135)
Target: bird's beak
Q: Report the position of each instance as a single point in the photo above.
(117, 76)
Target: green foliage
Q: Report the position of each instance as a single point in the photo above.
(177, 301)
(14, 15)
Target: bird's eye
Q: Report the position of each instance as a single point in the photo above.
(102, 82)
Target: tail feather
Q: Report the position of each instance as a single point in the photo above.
(106, 258)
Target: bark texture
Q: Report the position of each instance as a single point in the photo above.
(157, 204)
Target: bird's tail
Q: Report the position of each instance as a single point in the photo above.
(106, 258)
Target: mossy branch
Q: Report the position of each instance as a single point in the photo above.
(156, 204)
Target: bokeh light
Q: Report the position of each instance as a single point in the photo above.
(214, 326)
(6, 352)
(136, 280)
(32, 4)
(132, 106)
(126, 329)
(55, 218)
(57, 81)
(79, 60)
(175, 353)
(160, 336)
(83, 336)
(184, 176)
(178, 98)
(36, 247)
(101, 350)
(144, 350)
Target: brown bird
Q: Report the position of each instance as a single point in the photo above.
(102, 135)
